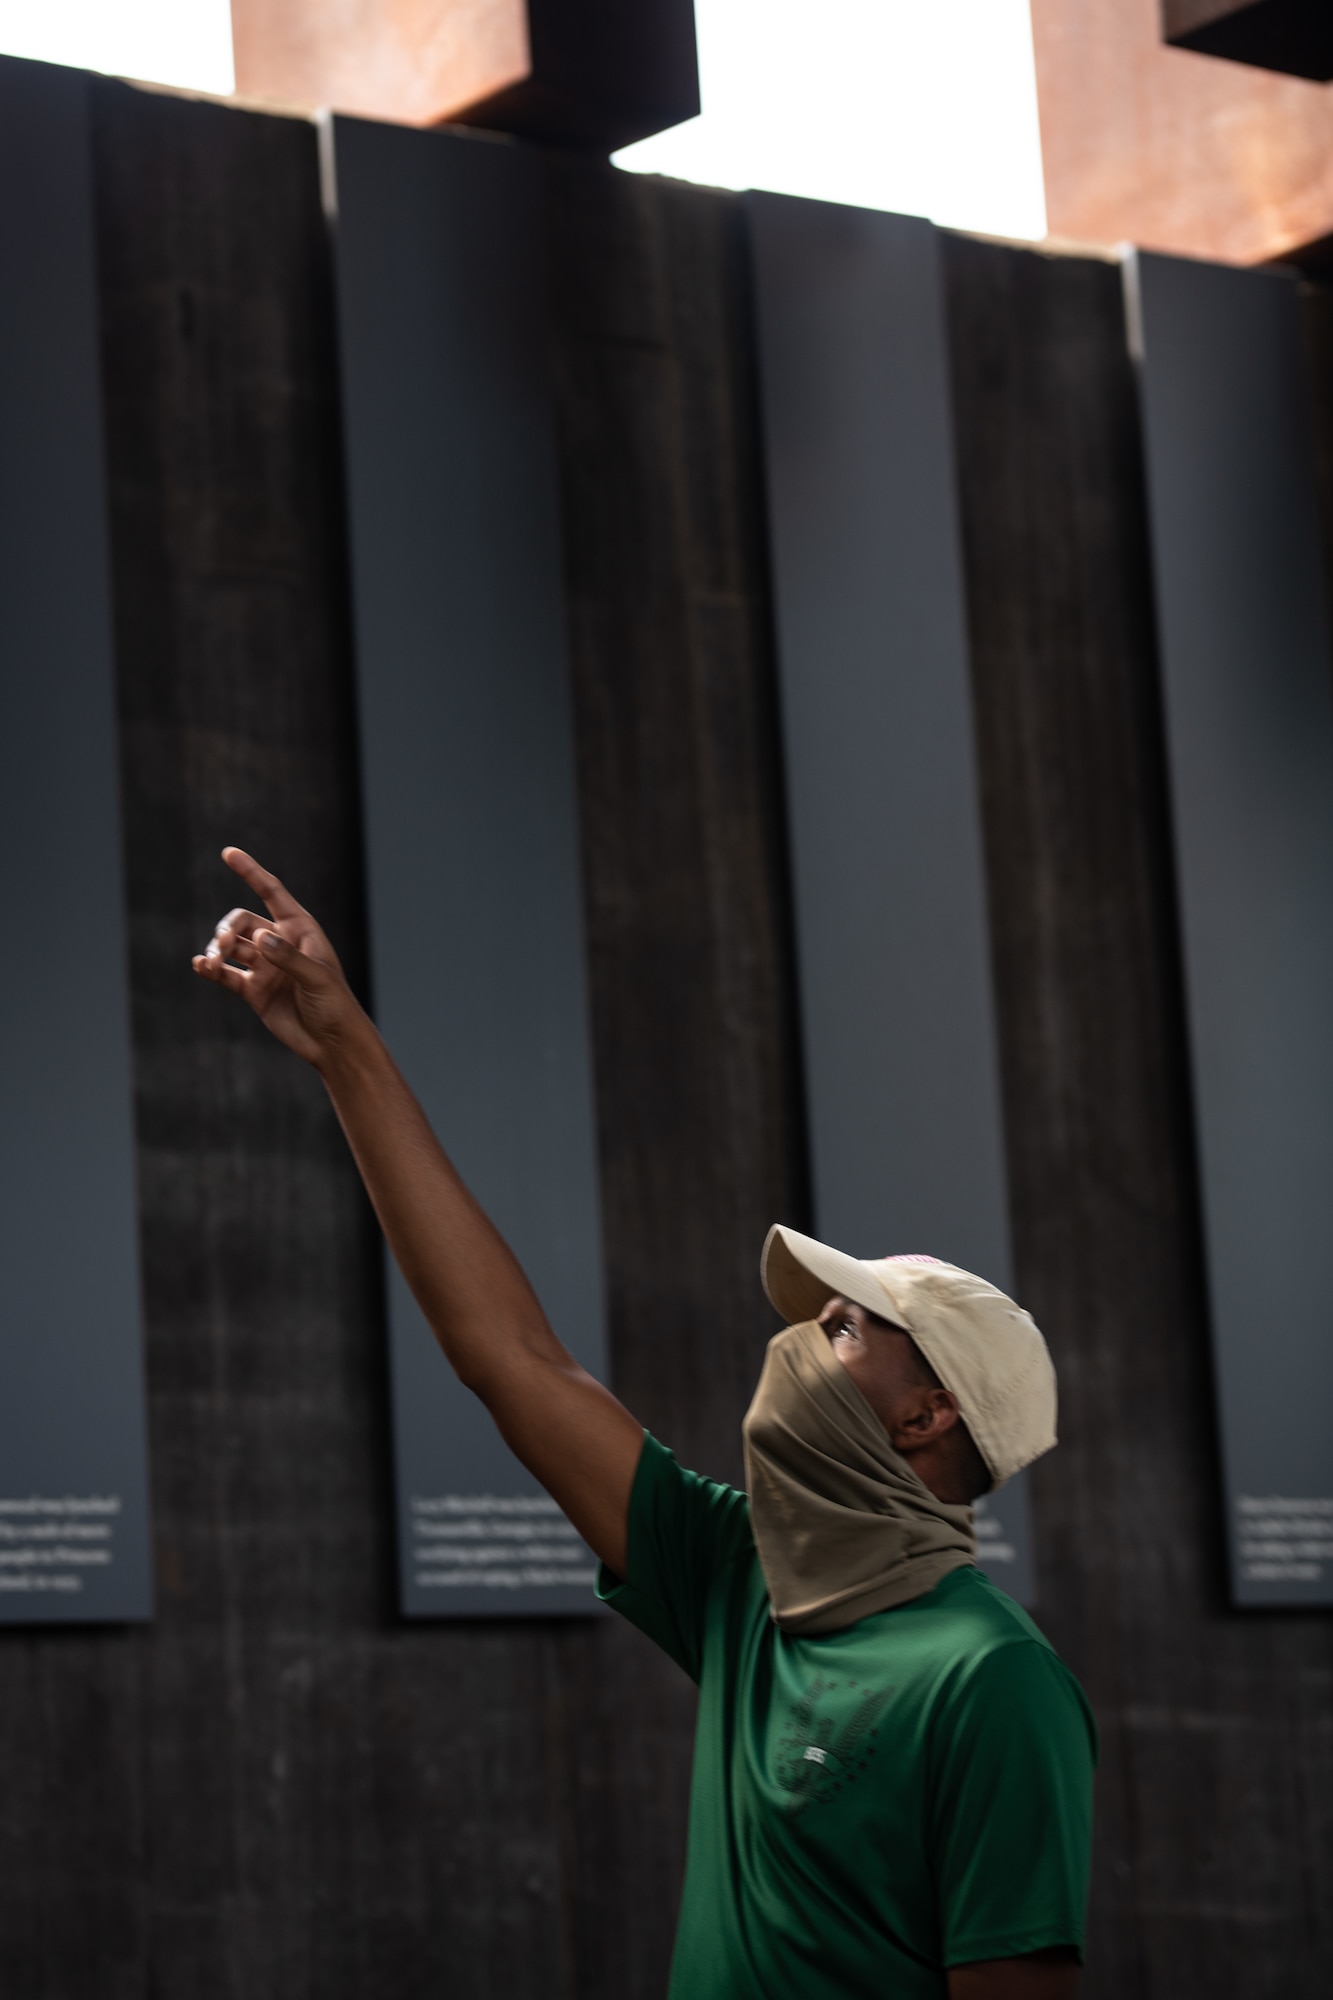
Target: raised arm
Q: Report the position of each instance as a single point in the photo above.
(568, 1430)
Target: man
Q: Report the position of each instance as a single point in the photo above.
(892, 1775)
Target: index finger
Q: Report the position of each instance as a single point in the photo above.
(279, 901)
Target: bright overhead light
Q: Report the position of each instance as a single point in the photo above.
(930, 109)
(185, 42)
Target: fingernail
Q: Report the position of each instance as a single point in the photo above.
(211, 949)
(270, 940)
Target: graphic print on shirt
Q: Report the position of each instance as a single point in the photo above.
(829, 1740)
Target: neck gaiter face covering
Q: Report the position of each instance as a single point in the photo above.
(842, 1524)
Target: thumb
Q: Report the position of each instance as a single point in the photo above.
(306, 972)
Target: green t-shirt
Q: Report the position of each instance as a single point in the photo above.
(870, 1806)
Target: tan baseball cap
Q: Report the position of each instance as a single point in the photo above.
(986, 1350)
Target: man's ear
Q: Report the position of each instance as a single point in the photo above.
(928, 1417)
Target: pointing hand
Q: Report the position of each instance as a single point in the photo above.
(282, 966)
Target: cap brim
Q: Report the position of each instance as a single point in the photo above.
(801, 1276)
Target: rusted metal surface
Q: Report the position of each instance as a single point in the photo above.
(1171, 150)
(416, 63)
(597, 73)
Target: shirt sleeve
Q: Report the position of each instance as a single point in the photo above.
(1013, 1808)
(683, 1532)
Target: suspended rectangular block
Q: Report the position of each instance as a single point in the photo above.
(570, 72)
(1245, 653)
(897, 1007)
(469, 798)
(74, 1529)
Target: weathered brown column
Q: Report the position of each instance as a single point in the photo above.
(1212, 1833)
